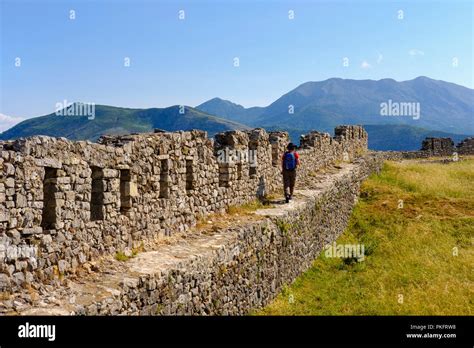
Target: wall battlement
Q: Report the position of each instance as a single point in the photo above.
(438, 146)
(63, 203)
(433, 147)
(229, 271)
(466, 147)
(446, 147)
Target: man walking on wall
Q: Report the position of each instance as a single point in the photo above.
(290, 162)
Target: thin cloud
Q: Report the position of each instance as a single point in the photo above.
(379, 58)
(416, 52)
(365, 65)
(6, 122)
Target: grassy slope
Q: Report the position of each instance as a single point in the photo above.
(410, 250)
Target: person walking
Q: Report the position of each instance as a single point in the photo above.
(290, 162)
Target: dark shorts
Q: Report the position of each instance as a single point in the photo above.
(289, 178)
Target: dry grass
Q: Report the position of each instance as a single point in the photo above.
(233, 216)
(247, 208)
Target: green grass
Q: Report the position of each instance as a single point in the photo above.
(120, 256)
(409, 251)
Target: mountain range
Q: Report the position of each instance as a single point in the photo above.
(112, 120)
(445, 109)
(444, 106)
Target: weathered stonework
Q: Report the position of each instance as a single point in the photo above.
(231, 271)
(434, 147)
(438, 146)
(466, 147)
(63, 203)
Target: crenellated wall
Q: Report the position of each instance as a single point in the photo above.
(230, 271)
(63, 203)
(438, 146)
(435, 147)
(466, 147)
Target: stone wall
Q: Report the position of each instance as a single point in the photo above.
(438, 146)
(229, 272)
(466, 147)
(63, 203)
(256, 260)
(433, 147)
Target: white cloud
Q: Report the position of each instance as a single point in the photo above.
(7, 122)
(365, 65)
(415, 52)
(379, 58)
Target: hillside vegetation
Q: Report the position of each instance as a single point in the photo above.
(117, 121)
(419, 256)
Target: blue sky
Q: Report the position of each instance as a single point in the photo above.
(189, 61)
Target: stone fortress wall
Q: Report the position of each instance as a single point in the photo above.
(63, 203)
(233, 270)
(433, 147)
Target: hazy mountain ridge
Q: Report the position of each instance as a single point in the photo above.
(230, 110)
(444, 106)
(403, 137)
(447, 110)
(115, 120)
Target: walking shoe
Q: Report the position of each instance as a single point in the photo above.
(287, 198)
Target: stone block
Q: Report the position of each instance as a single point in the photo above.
(110, 173)
(48, 162)
(32, 230)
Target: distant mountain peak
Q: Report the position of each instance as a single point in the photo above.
(321, 105)
(218, 100)
(421, 77)
(227, 109)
